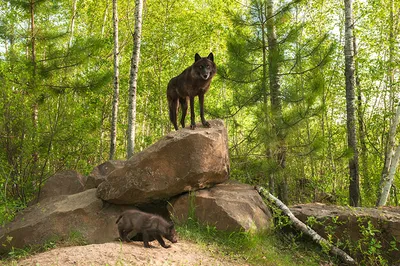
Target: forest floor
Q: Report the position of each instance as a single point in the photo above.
(116, 253)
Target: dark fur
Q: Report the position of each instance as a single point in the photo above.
(145, 226)
(193, 81)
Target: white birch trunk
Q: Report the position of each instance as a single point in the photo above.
(114, 119)
(71, 38)
(133, 78)
(306, 229)
(391, 161)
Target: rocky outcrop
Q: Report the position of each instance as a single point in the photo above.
(60, 216)
(66, 182)
(352, 224)
(184, 160)
(230, 206)
(100, 172)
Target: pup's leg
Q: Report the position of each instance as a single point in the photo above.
(184, 106)
(123, 234)
(192, 118)
(161, 241)
(146, 239)
(201, 101)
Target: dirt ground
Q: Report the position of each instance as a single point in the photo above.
(116, 253)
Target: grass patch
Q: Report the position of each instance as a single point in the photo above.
(74, 238)
(267, 248)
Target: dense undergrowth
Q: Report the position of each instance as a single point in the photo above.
(272, 247)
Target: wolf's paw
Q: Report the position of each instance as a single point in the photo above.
(192, 127)
(206, 124)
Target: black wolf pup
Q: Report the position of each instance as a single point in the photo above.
(148, 226)
(193, 81)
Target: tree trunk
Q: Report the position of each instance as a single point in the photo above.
(114, 119)
(35, 110)
(71, 38)
(133, 77)
(276, 103)
(361, 129)
(387, 181)
(354, 190)
(306, 229)
(391, 161)
(104, 19)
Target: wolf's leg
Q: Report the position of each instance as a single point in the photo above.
(146, 239)
(184, 106)
(201, 101)
(161, 241)
(124, 235)
(173, 109)
(192, 118)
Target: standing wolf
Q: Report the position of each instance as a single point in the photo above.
(146, 226)
(193, 81)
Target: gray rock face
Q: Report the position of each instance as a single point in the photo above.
(100, 172)
(58, 217)
(184, 160)
(345, 223)
(66, 182)
(229, 206)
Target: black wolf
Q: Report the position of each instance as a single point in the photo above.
(146, 226)
(193, 81)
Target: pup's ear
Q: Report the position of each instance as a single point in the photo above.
(211, 57)
(197, 57)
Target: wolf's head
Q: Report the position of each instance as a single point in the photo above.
(171, 233)
(204, 67)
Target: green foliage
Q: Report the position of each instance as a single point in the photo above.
(369, 245)
(69, 85)
(255, 248)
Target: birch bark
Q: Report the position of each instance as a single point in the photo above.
(133, 78)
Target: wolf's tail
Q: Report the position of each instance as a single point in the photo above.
(119, 218)
(173, 105)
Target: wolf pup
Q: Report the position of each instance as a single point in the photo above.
(149, 226)
(193, 81)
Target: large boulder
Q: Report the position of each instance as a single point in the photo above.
(184, 160)
(362, 225)
(230, 206)
(58, 217)
(65, 182)
(100, 172)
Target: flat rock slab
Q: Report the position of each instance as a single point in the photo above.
(60, 216)
(65, 182)
(230, 206)
(184, 160)
(347, 223)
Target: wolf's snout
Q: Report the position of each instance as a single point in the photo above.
(205, 76)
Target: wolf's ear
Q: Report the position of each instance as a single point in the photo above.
(197, 57)
(211, 57)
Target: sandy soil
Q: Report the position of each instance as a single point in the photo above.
(115, 253)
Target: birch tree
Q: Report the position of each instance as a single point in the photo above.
(114, 119)
(354, 190)
(392, 152)
(391, 161)
(133, 77)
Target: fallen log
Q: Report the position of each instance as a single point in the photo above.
(305, 228)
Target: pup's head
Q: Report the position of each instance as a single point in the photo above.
(171, 233)
(204, 67)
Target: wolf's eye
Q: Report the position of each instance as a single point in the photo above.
(208, 67)
(201, 67)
